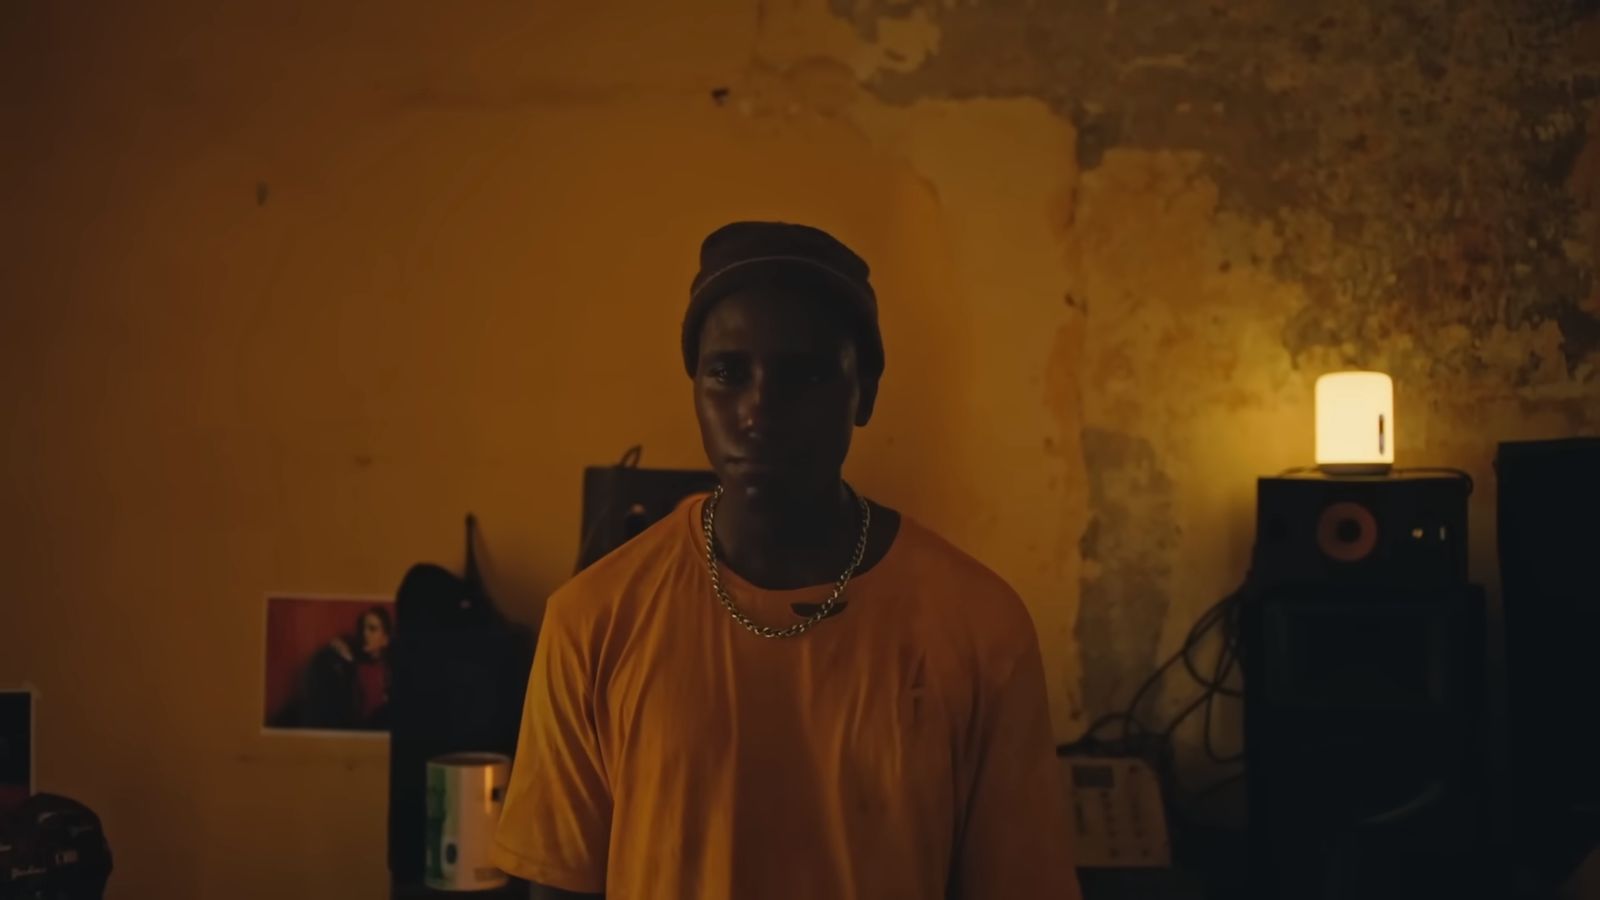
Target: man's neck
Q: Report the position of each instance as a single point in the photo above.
(805, 541)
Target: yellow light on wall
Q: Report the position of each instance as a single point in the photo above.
(1355, 423)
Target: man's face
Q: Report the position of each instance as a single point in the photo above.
(777, 393)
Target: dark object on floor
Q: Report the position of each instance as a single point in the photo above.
(622, 500)
(1365, 653)
(1549, 531)
(1138, 884)
(460, 675)
(53, 848)
(515, 889)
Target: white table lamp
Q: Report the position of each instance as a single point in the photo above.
(1355, 423)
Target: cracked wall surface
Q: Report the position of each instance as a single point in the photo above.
(1401, 186)
(289, 287)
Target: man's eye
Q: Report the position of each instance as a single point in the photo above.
(722, 373)
(812, 374)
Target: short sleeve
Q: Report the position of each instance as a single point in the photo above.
(556, 824)
(1014, 840)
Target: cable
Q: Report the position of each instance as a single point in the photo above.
(1215, 685)
(1156, 744)
(1217, 613)
(1225, 663)
(1107, 719)
(1215, 682)
(1130, 717)
(1186, 712)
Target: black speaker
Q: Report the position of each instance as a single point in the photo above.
(1403, 529)
(1364, 654)
(1549, 536)
(622, 500)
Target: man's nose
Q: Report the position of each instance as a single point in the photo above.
(755, 403)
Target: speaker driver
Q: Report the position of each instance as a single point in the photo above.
(1347, 532)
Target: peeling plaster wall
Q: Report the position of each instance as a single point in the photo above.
(1269, 190)
(288, 287)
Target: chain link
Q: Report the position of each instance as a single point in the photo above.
(708, 520)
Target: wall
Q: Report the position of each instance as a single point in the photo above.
(287, 288)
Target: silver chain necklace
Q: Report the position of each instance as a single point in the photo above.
(708, 518)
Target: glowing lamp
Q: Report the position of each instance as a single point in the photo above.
(1355, 423)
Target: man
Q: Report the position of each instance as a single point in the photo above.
(782, 689)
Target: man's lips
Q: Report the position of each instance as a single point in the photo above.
(754, 464)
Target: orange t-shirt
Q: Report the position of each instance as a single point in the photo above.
(899, 749)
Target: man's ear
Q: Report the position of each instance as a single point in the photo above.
(867, 401)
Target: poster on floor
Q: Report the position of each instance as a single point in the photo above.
(16, 747)
(327, 664)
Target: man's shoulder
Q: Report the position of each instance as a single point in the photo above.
(643, 559)
(952, 583)
(930, 557)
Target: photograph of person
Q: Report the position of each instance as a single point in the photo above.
(327, 664)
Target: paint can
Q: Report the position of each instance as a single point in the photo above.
(466, 792)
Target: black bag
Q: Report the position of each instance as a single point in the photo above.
(53, 848)
(622, 500)
(460, 672)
